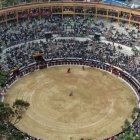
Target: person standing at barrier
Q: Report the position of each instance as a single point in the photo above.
(83, 68)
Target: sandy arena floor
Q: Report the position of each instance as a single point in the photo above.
(99, 105)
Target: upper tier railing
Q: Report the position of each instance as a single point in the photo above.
(84, 9)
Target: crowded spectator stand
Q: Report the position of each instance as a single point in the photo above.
(28, 23)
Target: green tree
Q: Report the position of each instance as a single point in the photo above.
(127, 138)
(135, 112)
(6, 114)
(28, 1)
(16, 136)
(20, 108)
(2, 130)
(7, 3)
(11, 114)
(3, 78)
(126, 123)
(136, 138)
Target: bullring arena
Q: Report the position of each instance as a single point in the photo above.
(78, 65)
(88, 103)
